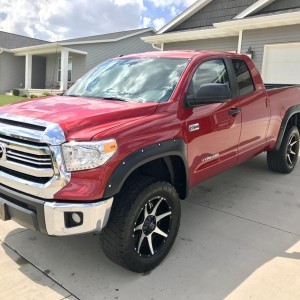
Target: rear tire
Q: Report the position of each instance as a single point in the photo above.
(143, 224)
(285, 159)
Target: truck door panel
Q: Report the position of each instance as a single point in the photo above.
(213, 147)
(255, 112)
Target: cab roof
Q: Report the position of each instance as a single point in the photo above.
(176, 54)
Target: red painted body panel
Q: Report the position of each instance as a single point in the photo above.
(137, 125)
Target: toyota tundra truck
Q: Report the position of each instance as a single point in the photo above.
(117, 152)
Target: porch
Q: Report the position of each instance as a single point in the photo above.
(51, 68)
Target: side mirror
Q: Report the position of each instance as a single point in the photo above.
(209, 93)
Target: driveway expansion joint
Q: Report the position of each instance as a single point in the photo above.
(47, 275)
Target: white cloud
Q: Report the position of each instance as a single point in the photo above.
(50, 19)
(159, 23)
(174, 11)
(162, 3)
(146, 22)
(62, 19)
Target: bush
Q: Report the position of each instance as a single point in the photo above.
(33, 96)
(46, 94)
(24, 95)
(16, 92)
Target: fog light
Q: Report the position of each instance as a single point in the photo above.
(76, 218)
(73, 219)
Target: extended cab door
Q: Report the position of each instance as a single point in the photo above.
(212, 130)
(255, 109)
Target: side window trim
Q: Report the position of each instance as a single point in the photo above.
(232, 78)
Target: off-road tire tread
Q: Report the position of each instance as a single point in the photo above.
(112, 237)
(276, 159)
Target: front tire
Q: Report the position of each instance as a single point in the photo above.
(285, 159)
(143, 224)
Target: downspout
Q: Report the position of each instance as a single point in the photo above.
(239, 49)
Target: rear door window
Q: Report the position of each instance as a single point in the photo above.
(243, 77)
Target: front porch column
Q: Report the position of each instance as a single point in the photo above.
(28, 71)
(64, 61)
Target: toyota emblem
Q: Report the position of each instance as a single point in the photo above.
(2, 151)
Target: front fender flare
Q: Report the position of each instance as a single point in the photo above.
(174, 147)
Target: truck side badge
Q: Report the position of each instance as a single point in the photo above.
(194, 127)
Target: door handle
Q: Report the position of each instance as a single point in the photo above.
(234, 111)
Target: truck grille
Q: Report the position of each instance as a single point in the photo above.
(31, 159)
(27, 158)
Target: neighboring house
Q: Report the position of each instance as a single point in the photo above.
(12, 68)
(267, 30)
(33, 65)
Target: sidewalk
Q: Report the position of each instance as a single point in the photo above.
(239, 239)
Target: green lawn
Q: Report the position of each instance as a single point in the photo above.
(10, 99)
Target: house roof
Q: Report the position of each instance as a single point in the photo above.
(185, 15)
(19, 45)
(262, 21)
(11, 41)
(228, 28)
(231, 27)
(105, 38)
(255, 7)
(198, 6)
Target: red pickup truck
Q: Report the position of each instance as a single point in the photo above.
(118, 150)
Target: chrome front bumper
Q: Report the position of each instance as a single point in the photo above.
(94, 217)
(53, 218)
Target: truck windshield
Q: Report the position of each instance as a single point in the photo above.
(131, 79)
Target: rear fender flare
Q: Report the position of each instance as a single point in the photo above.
(289, 113)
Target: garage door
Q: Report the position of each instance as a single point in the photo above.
(281, 63)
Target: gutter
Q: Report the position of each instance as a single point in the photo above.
(4, 50)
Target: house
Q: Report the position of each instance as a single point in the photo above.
(35, 65)
(12, 68)
(267, 30)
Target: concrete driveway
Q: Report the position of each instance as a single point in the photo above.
(239, 239)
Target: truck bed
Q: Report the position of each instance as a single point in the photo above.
(272, 86)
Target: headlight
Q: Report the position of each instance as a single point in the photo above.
(88, 155)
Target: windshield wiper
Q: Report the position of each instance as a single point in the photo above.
(115, 98)
(72, 95)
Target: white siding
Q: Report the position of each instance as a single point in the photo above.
(258, 38)
(220, 44)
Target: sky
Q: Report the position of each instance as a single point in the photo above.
(53, 20)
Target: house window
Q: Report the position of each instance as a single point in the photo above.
(69, 69)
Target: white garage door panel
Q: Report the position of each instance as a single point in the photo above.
(281, 63)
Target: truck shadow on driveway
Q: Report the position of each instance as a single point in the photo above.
(238, 227)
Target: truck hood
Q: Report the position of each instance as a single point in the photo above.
(81, 118)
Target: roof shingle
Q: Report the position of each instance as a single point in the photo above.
(11, 41)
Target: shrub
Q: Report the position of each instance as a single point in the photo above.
(46, 94)
(16, 92)
(24, 95)
(33, 96)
